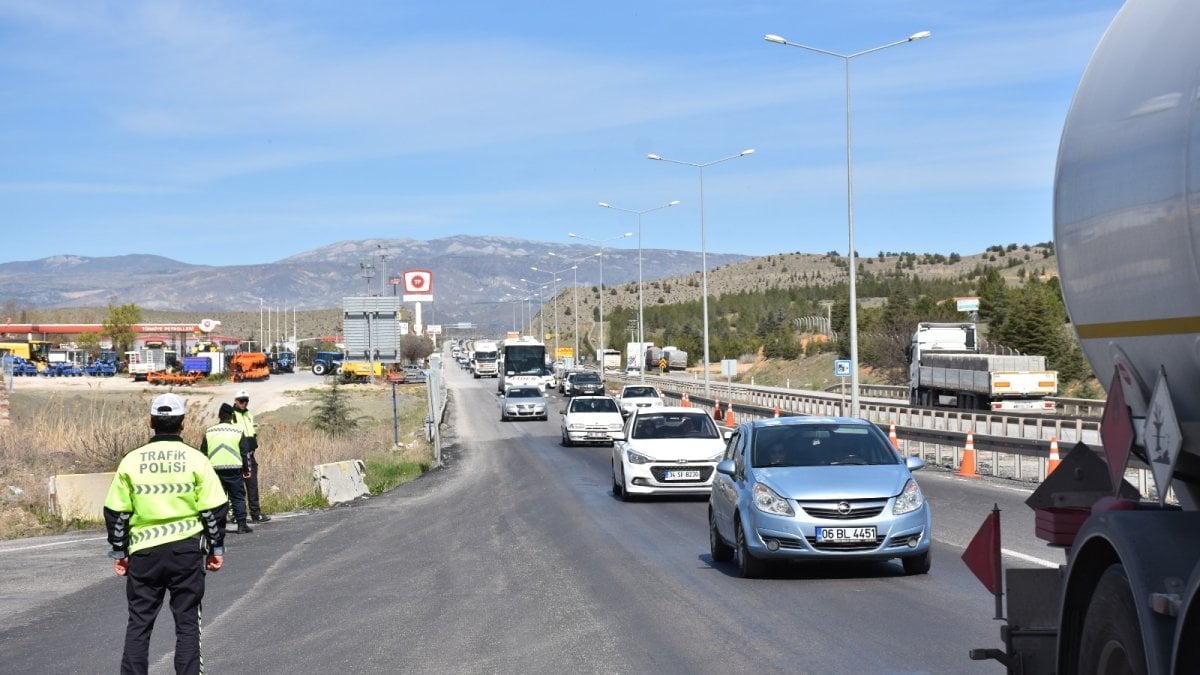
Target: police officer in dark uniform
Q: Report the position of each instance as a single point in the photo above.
(223, 444)
(165, 516)
(245, 419)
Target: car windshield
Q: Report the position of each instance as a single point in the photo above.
(821, 445)
(596, 405)
(640, 392)
(524, 392)
(586, 377)
(675, 425)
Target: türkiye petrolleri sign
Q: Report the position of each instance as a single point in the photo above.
(418, 286)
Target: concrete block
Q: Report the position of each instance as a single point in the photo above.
(79, 495)
(342, 481)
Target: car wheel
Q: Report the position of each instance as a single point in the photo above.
(617, 490)
(918, 564)
(749, 567)
(721, 552)
(565, 441)
(318, 368)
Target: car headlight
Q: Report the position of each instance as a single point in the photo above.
(769, 501)
(510, 408)
(637, 457)
(541, 407)
(910, 499)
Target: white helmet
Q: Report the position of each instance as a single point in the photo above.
(242, 394)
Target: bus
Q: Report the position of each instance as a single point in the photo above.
(524, 363)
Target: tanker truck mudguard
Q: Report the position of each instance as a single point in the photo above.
(1127, 236)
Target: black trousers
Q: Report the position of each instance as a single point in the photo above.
(252, 491)
(177, 567)
(235, 489)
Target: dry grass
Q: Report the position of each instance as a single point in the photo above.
(53, 434)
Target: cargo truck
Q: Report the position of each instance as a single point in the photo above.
(485, 355)
(1127, 599)
(947, 367)
(635, 355)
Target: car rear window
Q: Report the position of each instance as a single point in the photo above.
(821, 445)
(603, 405)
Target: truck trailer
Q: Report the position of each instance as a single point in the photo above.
(948, 368)
(1127, 600)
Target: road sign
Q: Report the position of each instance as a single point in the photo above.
(841, 368)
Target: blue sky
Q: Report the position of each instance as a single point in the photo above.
(243, 132)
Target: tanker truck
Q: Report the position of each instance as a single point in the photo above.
(1127, 236)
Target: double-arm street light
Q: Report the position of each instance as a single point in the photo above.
(575, 292)
(641, 318)
(703, 246)
(541, 306)
(554, 274)
(600, 243)
(846, 58)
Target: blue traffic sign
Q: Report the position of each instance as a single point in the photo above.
(841, 368)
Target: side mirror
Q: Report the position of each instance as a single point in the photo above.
(562, 412)
(726, 434)
(726, 467)
(914, 462)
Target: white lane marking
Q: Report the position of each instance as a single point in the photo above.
(1028, 558)
(56, 543)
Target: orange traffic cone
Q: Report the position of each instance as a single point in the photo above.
(729, 416)
(1052, 464)
(777, 410)
(717, 411)
(685, 402)
(892, 437)
(967, 467)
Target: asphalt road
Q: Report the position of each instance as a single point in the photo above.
(516, 558)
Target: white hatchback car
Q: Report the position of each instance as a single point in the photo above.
(591, 419)
(666, 451)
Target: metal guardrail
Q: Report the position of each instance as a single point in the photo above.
(1017, 445)
(1087, 408)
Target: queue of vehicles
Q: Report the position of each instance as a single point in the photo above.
(782, 489)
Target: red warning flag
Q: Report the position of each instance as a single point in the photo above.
(982, 555)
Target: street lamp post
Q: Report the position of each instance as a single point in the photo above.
(641, 318)
(554, 274)
(575, 293)
(600, 243)
(541, 304)
(703, 246)
(846, 58)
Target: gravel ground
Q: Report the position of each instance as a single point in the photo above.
(272, 393)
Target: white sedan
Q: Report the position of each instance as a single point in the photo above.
(638, 396)
(591, 419)
(666, 451)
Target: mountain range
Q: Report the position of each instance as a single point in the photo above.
(475, 279)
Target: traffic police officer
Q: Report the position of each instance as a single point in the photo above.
(223, 445)
(165, 516)
(245, 419)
